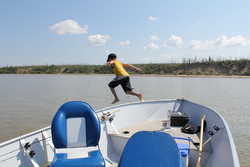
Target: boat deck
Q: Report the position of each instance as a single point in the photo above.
(156, 125)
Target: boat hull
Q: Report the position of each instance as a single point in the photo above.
(220, 150)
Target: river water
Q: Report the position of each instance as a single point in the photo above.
(28, 102)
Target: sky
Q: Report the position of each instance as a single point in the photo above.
(49, 32)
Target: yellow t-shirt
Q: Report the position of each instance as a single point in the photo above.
(119, 70)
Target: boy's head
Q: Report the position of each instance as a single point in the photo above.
(111, 57)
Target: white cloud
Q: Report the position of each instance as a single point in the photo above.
(174, 41)
(220, 42)
(197, 45)
(125, 43)
(151, 45)
(152, 18)
(154, 38)
(238, 40)
(107, 51)
(68, 27)
(98, 39)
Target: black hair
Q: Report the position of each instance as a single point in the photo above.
(111, 56)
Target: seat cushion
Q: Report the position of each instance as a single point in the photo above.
(75, 124)
(94, 159)
(150, 149)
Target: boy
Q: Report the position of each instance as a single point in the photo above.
(122, 77)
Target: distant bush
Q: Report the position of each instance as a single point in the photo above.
(187, 67)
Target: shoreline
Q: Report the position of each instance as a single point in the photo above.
(147, 75)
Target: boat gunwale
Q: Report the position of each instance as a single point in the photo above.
(134, 103)
(11, 141)
(229, 134)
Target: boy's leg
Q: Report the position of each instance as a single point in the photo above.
(115, 96)
(114, 83)
(140, 96)
(126, 85)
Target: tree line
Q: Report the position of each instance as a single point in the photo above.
(187, 67)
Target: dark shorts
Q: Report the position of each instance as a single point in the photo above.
(123, 81)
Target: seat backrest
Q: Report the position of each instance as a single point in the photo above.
(75, 125)
(147, 149)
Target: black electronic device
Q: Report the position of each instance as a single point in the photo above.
(179, 119)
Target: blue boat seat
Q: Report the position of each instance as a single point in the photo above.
(151, 149)
(74, 126)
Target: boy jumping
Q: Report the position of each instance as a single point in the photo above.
(122, 77)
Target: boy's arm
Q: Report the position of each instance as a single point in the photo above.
(132, 67)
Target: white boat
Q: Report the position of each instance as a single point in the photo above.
(141, 134)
